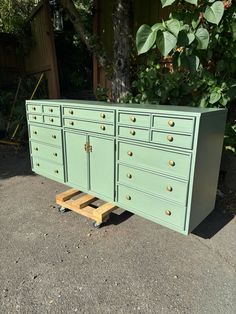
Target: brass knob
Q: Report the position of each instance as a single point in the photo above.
(51, 120)
(133, 119)
(56, 171)
(128, 197)
(35, 132)
(36, 148)
(102, 115)
(130, 153)
(71, 123)
(34, 117)
(34, 108)
(51, 110)
(71, 111)
(102, 127)
(37, 164)
(171, 123)
(55, 154)
(132, 132)
(171, 163)
(168, 212)
(169, 188)
(170, 138)
(129, 175)
(54, 136)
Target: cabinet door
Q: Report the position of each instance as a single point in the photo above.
(102, 166)
(77, 160)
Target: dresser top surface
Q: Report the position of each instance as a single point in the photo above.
(149, 108)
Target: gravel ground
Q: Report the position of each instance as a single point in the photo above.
(57, 263)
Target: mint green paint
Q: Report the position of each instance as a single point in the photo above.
(131, 161)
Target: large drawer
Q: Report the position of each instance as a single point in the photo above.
(133, 133)
(51, 110)
(86, 114)
(152, 206)
(34, 108)
(174, 124)
(44, 134)
(35, 118)
(134, 119)
(89, 126)
(172, 139)
(172, 189)
(44, 167)
(47, 152)
(157, 159)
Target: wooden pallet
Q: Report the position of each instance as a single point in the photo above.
(82, 205)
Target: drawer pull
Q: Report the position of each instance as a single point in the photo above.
(71, 111)
(132, 132)
(169, 188)
(128, 197)
(102, 127)
(102, 115)
(170, 138)
(133, 119)
(54, 136)
(56, 171)
(35, 132)
(50, 110)
(36, 148)
(171, 123)
(71, 123)
(55, 154)
(34, 117)
(129, 175)
(130, 153)
(171, 163)
(168, 212)
(37, 164)
(34, 108)
(51, 120)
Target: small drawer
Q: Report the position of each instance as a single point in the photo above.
(44, 134)
(167, 187)
(89, 126)
(151, 206)
(47, 168)
(171, 139)
(35, 118)
(133, 133)
(52, 120)
(46, 152)
(174, 124)
(86, 114)
(133, 119)
(156, 159)
(53, 110)
(34, 108)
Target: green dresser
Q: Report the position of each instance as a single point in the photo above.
(160, 162)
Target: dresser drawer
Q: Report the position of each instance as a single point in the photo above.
(133, 133)
(89, 126)
(44, 167)
(47, 152)
(86, 114)
(171, 139)
(53, 110)
(34, 108)
(35, 118)
(172, 189)
(52, 120)
(133, 119)
(157, 159)
(152, 206)
(174, 124)
(43, 134)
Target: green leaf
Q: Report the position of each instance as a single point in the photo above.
(165, 42)
(185, 39)
(165, 3)
(202, 36)
(157, 26)
(193, 62)
(214, 97)
(192, 1)
(145, 38)
(233, 27)
(214, 13)
(173, 26)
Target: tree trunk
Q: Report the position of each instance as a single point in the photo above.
(122, 49)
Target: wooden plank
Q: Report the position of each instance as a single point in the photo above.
(62, 197)
(105, 210)
(84, 201)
